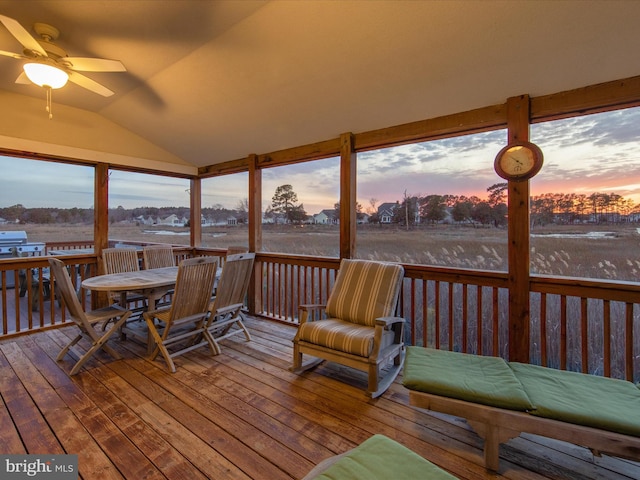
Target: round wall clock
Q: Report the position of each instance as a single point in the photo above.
(519, 160)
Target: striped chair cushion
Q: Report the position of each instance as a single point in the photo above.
(338, 335)
(365, 290)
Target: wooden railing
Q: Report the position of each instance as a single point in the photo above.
(27, 295)
(592, 326)
(468, 311)
(30, 304)
(586, 325)
(288, 281)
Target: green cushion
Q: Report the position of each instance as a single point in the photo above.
(473, 378)
(583, 399)
(381, 458)
(365, 290)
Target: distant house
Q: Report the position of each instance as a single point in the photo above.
(145, 221)
(327, 216)
(320, 218)
(173, 220)
(386, 211)
(3, 221)
(362, 218)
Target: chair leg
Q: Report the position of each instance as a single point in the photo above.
(64, 351)
(297, 358)
(98, 343)
(213, 344)
(83, 359)
(378, 385)
(159, 344)
(165, 353)
(298, 366)
(247, 335)
(373, 379)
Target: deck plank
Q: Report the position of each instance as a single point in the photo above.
(68, 430)
(10, 440)
(239, 415)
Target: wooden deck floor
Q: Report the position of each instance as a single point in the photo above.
(237, 415)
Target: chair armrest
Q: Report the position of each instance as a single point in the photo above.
(152, 313)
(312, 306)
(396, 324)
(307, 311)
(386, 322)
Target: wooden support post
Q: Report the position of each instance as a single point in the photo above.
(347, 196)
(255, 232)
(101, 213)
(195, 212)
(518, 112)
(100, 224)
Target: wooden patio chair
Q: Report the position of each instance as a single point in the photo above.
(182, 325)
(158, 256)
(225, 317)
(358, 328)
(118, 260)
(86, 321)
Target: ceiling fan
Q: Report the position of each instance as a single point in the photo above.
(47, 65)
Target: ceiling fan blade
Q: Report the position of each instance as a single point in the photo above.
(89, 84)
(23, 79)
(11, 54)
(84, 64)
(22, 35)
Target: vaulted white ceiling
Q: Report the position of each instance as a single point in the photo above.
(213, 81)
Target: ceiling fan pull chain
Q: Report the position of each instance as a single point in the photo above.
(49, 108)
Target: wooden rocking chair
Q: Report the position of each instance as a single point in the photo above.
(358, 329)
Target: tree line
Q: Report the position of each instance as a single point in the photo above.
(548, 208)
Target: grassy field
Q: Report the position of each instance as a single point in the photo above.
(567, 251)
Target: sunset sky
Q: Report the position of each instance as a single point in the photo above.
(595, 153)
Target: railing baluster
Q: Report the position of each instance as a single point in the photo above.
(544, 361)
(584, 335)
(437, 312)
(413, 305)
(496, 323)
(479, 325)
(5, 313)
(465, 323)
(606, 337)
(425, 314)
(629, 341)
(563, 332)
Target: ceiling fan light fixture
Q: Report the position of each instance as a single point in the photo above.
(45, 75)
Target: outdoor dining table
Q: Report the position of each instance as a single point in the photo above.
(152, 283)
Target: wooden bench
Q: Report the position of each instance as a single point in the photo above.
(500, 400)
